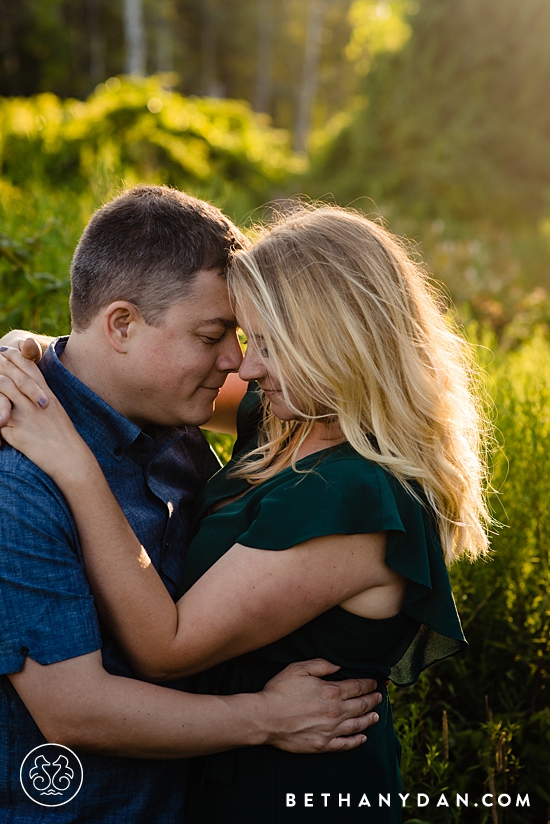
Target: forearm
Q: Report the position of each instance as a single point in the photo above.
(134, 719)
(77, 703)
(130, 595)
(98, 712)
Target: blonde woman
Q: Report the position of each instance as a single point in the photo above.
(356, 477)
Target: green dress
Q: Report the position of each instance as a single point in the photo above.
(343, 493)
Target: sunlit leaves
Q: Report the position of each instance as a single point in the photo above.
(140, 129)
(377, 26)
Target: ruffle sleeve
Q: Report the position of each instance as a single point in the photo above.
(345, 494)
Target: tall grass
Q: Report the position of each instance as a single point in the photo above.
(480, 723)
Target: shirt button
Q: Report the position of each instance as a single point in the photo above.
(117, 450)
(24, 650)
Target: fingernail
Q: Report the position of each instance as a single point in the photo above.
(376, 718)
(379, 696)
(363, 739)
(42, 402)
(4, 348)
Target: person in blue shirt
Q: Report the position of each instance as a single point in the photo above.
(153, 340)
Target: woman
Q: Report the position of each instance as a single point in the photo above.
(355, 476)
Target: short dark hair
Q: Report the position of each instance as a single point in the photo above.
(146, 246)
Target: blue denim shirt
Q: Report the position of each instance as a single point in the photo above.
(47, 610)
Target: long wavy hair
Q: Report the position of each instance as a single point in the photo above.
(357, 335)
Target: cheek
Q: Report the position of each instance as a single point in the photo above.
(180, 364)
(160, 376)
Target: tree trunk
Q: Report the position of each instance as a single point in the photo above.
(164, 57)
(310, 76)
(266, 30)
(97, 61)
(134, 35)
(8, 52)
(209, 82)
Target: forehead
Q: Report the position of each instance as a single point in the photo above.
(207, 302)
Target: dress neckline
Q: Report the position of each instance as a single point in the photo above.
(251, 488)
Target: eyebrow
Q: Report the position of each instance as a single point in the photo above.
(225, 322)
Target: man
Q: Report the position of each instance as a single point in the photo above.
(153, 341)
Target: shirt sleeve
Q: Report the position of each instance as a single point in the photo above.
(46, 607)
(351, 495)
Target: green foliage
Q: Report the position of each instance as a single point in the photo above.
(62, 159)
(212, 47)
(495, 695)
(377, 27)
(39, 233)
(30, 289)
(137, 130)
(494, 276)
(449, 143)
(221, 444)
(457, 123)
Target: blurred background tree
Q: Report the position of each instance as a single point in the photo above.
(455, 124)
(253, 50)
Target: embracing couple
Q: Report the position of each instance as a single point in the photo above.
(271, 599)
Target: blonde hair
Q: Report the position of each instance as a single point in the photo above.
(355, 334)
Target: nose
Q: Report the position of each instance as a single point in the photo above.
(253, 365)
(231, 354)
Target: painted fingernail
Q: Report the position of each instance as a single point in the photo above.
(42, 402)
(4, 348)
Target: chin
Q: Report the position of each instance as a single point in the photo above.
(196, 417)
(281, 411)
(181, 417)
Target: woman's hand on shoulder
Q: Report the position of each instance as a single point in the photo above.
(31, 347)
(36, 424)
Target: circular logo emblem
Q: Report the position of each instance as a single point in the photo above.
(51, 775)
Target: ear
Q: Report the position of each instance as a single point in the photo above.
(121, 322)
